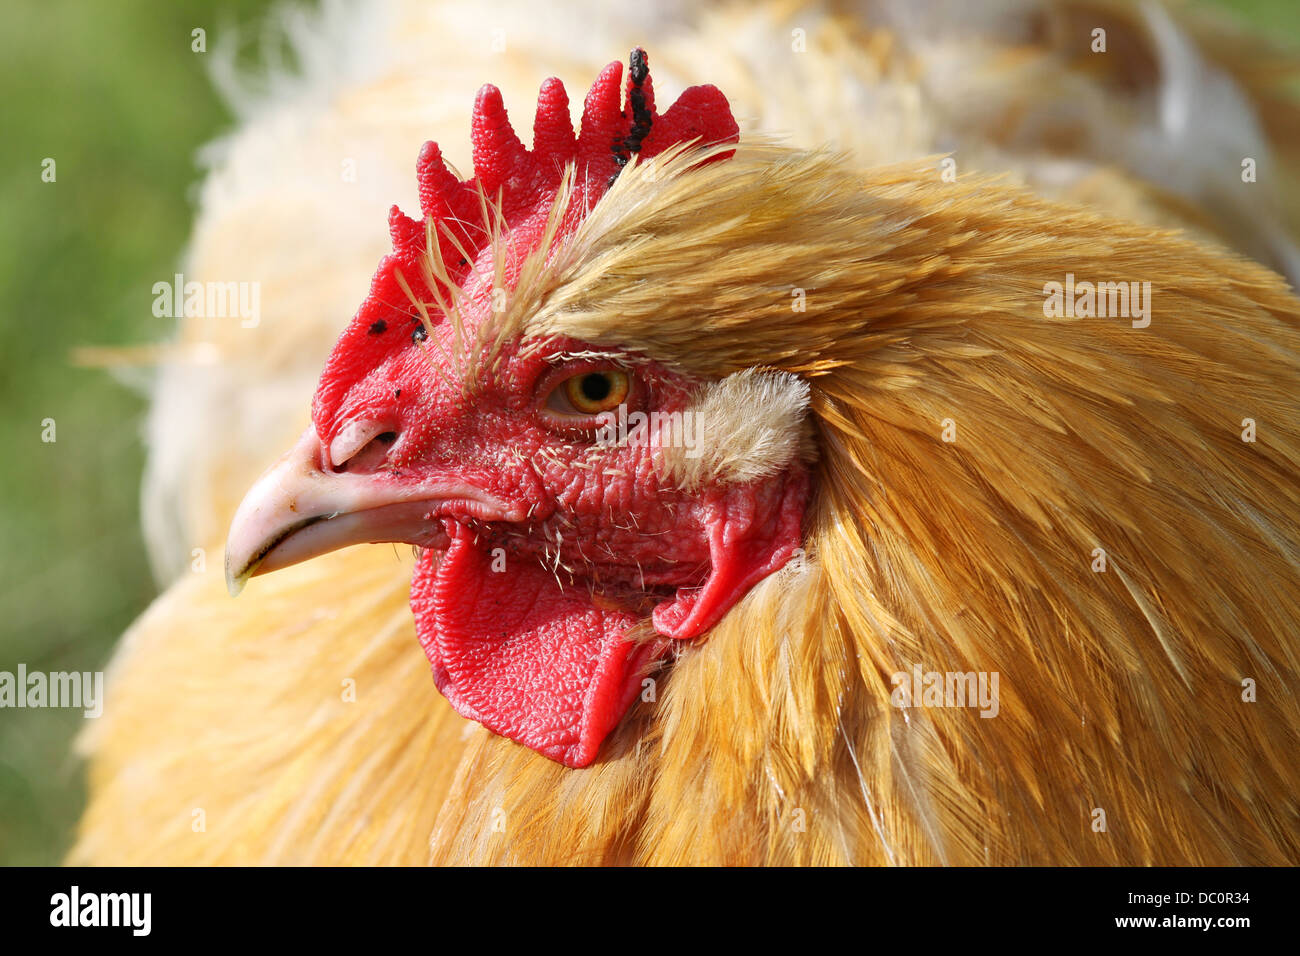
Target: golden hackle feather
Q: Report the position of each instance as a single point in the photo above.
(775, 740)
(303, 735)
(1120, 689)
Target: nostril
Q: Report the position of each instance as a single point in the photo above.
(360, 446)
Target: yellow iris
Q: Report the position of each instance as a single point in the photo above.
(594, 392)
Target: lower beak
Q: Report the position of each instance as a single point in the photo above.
(301, 509)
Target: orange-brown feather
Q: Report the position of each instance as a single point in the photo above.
(776, 740)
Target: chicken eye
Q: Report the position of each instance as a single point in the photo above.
(591, 393)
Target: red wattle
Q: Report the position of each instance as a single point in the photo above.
(527, 658)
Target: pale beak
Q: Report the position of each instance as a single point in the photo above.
(301, 508)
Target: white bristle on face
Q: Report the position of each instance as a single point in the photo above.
(746, 426)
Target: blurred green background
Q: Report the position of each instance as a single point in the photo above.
(114, 94)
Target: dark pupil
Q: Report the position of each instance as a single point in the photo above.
(595, 388)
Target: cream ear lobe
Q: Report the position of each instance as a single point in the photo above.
(747, 426)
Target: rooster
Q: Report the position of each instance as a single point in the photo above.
(711, 449)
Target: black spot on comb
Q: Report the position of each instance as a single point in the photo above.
(625, 147)
(420, 334)
(378, 328)
(639, 66)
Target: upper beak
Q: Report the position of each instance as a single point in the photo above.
(301, 508)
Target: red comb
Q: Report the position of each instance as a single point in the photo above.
(527, 182)
(611, 134)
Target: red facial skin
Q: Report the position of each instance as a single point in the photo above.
(530, 640)
(527, 590)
